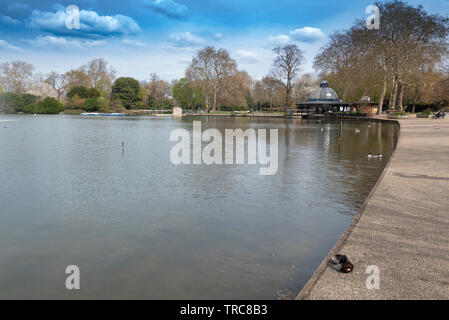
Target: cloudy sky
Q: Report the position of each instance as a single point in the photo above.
(144, 36)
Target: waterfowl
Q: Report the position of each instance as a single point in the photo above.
(322, 129)
(357, 130)
(341, 263)
(375, 156)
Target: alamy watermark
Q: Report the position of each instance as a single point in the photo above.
(72, 282)
(373, 21)
(189, 150)
(72, 17)
(373, 279)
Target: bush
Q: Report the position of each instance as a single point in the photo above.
(96, 104)
(49, 106)
(76, 103)
(8, 102)
(26, 103)
(427, 112)
(83, 92)
(12, 103)
(103, 105)
(91, 105)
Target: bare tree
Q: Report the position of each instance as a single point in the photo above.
(270, 85)
(304, 87)
(286, 66)
(57, 81)
(16, 75)
(76, 78)
(101, 74)
(409, 41)
(157, 90)
(211, 66)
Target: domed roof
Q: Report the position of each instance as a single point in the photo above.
(365, 99)
(324, 93)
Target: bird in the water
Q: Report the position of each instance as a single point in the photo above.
(322, 129)
(341, 263)
(357, 130)
(371, 155)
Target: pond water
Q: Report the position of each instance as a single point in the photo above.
(140, 227)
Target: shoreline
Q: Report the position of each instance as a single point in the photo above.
(401, 227)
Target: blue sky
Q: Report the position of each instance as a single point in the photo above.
(144, 36)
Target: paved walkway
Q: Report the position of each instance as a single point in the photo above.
(404, 228)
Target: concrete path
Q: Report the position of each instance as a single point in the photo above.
(404, 228)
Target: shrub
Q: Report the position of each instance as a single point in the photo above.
(26, 103)
(83, 92)
(76, 103)
(103, 105)
(80, 92)
(11, 102)
(8, 102)
(49, 106)
(427, 112)
(91, 105)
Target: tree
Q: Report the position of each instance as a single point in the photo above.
(286, 65)
(76, 78)
(211, 67)
(57, 81)
(83, 92)
(304, 87)
(236, 90)
(409, 42)
(158, 91)
(126, 91)
(101, 74)
(17, 75)
(270, 85)
(183, 93)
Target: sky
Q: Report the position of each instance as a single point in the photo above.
(141, 37)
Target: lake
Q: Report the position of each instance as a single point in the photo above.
(140, 227)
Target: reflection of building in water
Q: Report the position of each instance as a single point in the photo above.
(325, 100)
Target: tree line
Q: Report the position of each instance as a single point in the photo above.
(401, 65)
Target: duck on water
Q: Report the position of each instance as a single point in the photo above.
(374, 156)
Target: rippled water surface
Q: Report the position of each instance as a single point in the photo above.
(141, 227)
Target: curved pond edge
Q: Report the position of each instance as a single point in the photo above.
(305, 291)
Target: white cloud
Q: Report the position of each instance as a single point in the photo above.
(9, 20)
(92, 25)
(168, 8)
(280, 39)
(64, 43)
(8, 46)
(135, 43)
(186, 39)
(247, 56)
(307, 34)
